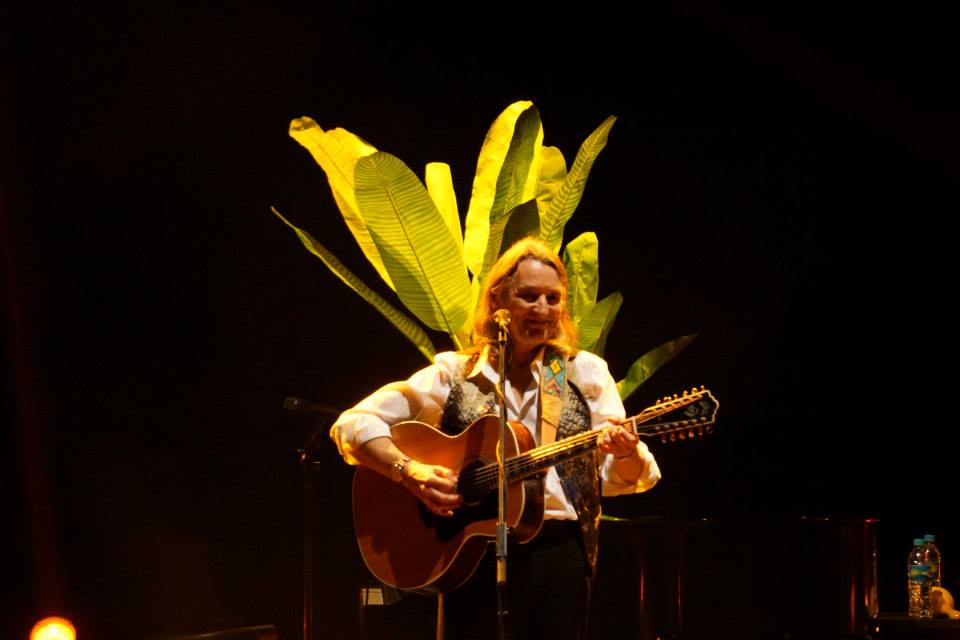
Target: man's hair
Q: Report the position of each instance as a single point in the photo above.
(497, 286)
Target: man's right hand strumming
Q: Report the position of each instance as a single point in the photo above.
(435, 486)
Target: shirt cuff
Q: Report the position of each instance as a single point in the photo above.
(614, 485)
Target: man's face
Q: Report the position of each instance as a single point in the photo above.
(535, 301)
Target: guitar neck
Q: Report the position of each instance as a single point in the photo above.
(700, 405)
(484, 478)
(542, 458)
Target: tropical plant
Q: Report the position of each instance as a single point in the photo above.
(410, 230)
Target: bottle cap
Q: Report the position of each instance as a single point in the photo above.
(918, 541)
(929, 537)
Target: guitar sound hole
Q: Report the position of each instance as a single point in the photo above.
(446, 528)
(473, 485)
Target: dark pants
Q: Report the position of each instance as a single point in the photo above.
(548, 590)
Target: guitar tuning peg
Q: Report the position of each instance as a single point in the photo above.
(674, 396)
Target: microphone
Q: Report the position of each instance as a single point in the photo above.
(305, 407)
(502, 318)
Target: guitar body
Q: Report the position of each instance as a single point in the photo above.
(408, 547)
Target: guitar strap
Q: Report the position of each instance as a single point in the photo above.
(553, 377)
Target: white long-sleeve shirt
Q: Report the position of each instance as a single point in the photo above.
(425, 394)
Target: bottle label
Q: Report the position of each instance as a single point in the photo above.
(919, 573)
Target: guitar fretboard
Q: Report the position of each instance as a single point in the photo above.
(484, 478)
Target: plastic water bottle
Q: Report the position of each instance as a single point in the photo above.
(918, 581)
(933, 559)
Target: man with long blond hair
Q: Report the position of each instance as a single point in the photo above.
(551, 389)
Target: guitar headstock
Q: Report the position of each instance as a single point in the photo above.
(679, 417)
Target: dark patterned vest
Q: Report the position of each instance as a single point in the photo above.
(470, 399)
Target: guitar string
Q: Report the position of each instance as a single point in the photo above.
(488, 473)
(531, 461)
(485, 477)
(563, 446)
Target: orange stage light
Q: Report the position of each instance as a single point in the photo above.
(53, 629)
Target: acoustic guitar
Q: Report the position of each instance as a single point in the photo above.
(406, 546)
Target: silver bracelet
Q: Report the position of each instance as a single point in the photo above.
(401, 466)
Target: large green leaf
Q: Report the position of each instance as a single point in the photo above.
(421, 256)
(440, 187)
(490, 165)
(600, 346)
(397, 318)
(464, 337)
(512, 183)
(522, 222)
(581, 257)
(553, 171)
(337, 152)
(565, 202)
(594, 327)
(646, 365)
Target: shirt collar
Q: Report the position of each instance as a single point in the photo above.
(487, 365)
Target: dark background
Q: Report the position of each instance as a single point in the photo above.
(779, 181)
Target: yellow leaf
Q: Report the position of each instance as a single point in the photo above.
(423, 260)
(397, 318)
(337, 152)
(493, 154)
(440, 187)
(553, 219)
(553, 171)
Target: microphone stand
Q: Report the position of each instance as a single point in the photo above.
(308, 463)
(502, 489)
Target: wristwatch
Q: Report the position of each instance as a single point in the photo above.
(398, 467)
